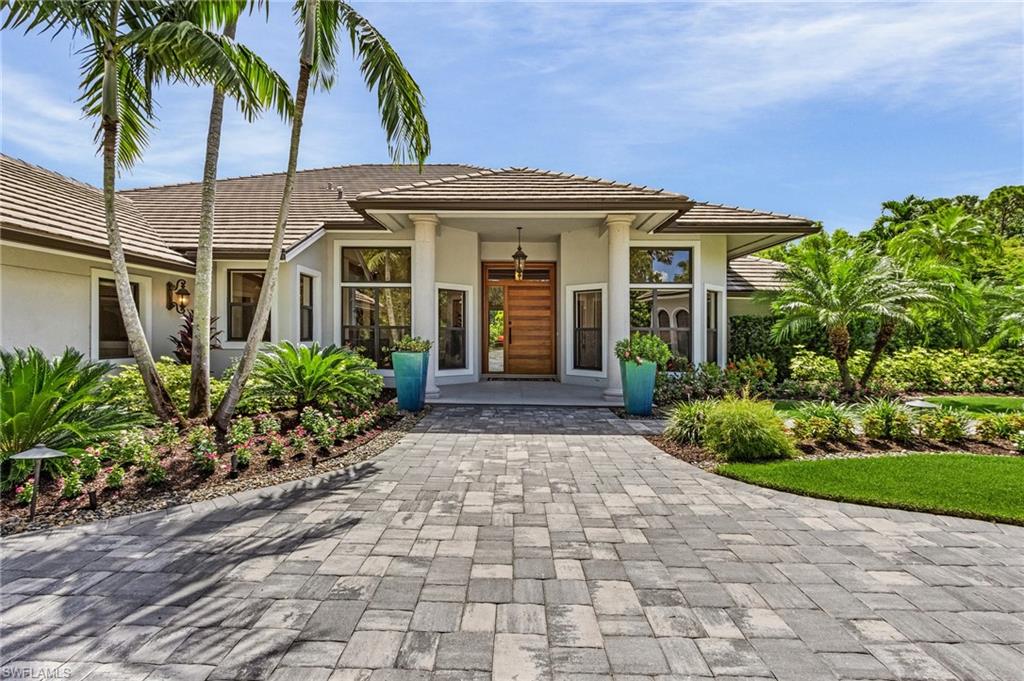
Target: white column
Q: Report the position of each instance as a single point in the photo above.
(424, 305)
(618, 296)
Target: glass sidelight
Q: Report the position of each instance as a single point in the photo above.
(495, 329)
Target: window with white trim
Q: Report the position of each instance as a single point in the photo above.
(661, 295)
(307, 310)
(587, 331)
(112, 336)
(712, 324)
(244, 288)
(376, 299)
(451, 329)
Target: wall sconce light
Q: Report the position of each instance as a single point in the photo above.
(177, 296)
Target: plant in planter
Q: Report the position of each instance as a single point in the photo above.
(411, 359)
(640, 355)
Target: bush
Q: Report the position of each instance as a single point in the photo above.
(242, 430)
(643, 347)
(243, 454)
(58, 402)
(115, 477)
(944, 425)
(129, 447)
(299, 440)
(686, 422)
(267, 424)
(751, 336)
(824, 422)
(921, 369)
(204, 449)
(167, 436)
(688, 383)
(320, 426)
(88, 463)
(127, 392)
(989, 427)
(275, 447)
(742, 429)
(887, 419)
(23, 493)
(753, 374)
(71, 485)
(410, 344)
(300, 376)
(156, 474)
(1018, 441)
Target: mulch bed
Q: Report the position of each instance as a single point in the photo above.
(862, 448)
(185, 484)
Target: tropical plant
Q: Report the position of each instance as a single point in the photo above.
(949, 235)
(242, 430)
(686, 422)
(643, 347)
(824, 422)
(945, 424)
(130, 47)
(832, 287)
(742, 429)
(887, 419)
(57, 402)
(127, 390)
(115, 477)
(992, 426)
(71, 485)
(399, 104)
(308, 375)
(184, 338)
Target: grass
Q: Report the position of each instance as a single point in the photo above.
(982, 404)
(983, 487)
(787, 408)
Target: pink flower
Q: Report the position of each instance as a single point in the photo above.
(75, 462)
(212, 456)
(19, 489)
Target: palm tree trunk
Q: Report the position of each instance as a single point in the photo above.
(839, 339)
(159, 398)
(226, 408)
(199, 390)
(886, 330)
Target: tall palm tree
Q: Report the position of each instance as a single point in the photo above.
(275, 93)
(399, 103)
(131, 46)
(894, 218)
(948, 236)
(831, 288)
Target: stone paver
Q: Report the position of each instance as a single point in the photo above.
(516, 543)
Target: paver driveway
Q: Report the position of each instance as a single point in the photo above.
(520, 544)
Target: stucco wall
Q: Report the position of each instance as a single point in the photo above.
(45, 300)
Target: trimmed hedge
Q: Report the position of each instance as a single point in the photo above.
(920, 369)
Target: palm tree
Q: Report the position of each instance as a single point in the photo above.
(831, 288)
(894, 218)
(948, 236)
(131, 46)
(399, 103)
(275, 93)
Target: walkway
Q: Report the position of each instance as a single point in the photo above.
(518, 544)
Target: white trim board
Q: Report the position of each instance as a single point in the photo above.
(145, 311)
(568, 322)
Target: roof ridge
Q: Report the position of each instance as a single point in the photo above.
(592, 178)
(304, 170)
(791, 216)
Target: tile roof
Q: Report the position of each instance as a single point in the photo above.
(247, 206)
(749, 273)
(40, 205)
(513, 185)
(715, 216)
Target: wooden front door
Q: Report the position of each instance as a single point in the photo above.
(519, 319)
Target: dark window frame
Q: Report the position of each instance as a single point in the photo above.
(712, 313)
(578, 331)
(307, 310)
(372, 282)
(442, 331)
(233, 337)
(667, 333)
(136, 294)
(375, 351)
(651, 282)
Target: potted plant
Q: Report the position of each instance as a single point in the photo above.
(410, 358)
(639, 358)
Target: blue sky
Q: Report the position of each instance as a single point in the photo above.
(819, 109)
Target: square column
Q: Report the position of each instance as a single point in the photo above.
(424, 303)
(618, 296)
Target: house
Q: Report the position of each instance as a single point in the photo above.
(376, 252)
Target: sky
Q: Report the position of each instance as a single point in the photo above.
(818, 109)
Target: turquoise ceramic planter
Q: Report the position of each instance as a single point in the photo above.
(638, 387)
(411, 378)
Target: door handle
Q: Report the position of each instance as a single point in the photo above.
(510, 333)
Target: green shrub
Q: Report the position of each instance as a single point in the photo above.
(742, 429)
(410, 344)
(267, 424)
(58, 402)
(1018, 441)
(887, 419)
(944, 425)
(643, 347)
(87, 464)
(71, 485)
(23, 493)
(688, 382)
(299, 440)
(753, 374)
(168, 435)
(751, 336)
(320, 426)
(129, 447)
(156, 473)
(115, 477)
(299, 376)
(824, 422)
(989, 427)
(126, 390)
(243, 454)
(242, 430)
(275, 447)
(686, 422)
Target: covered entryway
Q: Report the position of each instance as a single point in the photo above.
(519, 320)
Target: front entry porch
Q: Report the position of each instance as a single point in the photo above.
(525, 392)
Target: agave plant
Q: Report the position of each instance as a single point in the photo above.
(308, 375)
(57, 402)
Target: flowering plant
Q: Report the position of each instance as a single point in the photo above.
(23, 492)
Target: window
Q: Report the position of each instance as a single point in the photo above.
(671, 322)
(588, 350)
(660, 265)
(305, 307)
(376, 300)
(243, 295)
(113, 339)
(451, 329)
(712, 330)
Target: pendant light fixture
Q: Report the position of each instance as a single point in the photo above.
(519, 257)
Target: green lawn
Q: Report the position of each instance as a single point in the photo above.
(980, 404)
(787, 408)
(986, 487)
